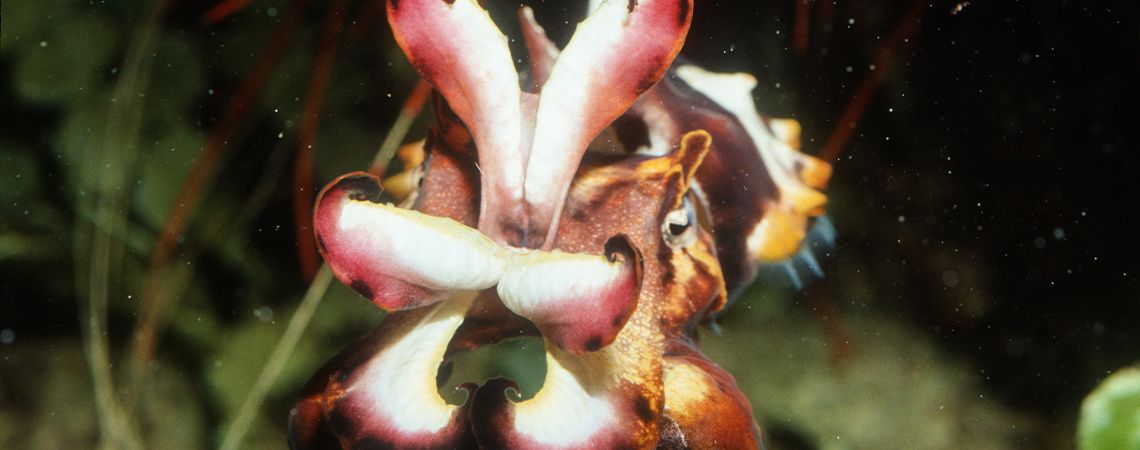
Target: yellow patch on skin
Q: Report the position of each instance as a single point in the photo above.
(412, 154)
(402, 184)
(655, 166)
(597, 182)
(687, 386)
(594, 180)
(815, 172)
(803, 200)
(784, 225)
(638, 344)
(777, 236)
(641, 345)
(786, 130)
(590, 182)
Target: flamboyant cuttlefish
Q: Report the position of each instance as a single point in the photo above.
(518, 221)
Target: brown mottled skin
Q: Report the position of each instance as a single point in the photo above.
(450, 186)
(631, 196)
(706, 405)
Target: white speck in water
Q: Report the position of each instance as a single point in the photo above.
(280, 135)
(211, 92)
(263, 313)
(272, 12)
(1039, 243)
(902, 219)
(851, 21)
(849, 69)
(43, 44)
(1058, 233)
(7, 336)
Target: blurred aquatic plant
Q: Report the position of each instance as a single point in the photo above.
(127, 132)
(1110, 415)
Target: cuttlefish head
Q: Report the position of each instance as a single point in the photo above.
(651, 200)
(763, 194)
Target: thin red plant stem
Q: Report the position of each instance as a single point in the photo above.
(902, 36)
(145, 338)
(802, 26)
(223, 10)
(310, 123)
(415, 102)
(830, 318)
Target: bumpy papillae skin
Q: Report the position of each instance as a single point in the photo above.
(514, 228)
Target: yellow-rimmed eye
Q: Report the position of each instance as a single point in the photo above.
(679, 229)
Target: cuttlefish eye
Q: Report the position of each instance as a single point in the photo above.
(679, 227)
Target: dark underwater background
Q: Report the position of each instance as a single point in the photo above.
(983, 281)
